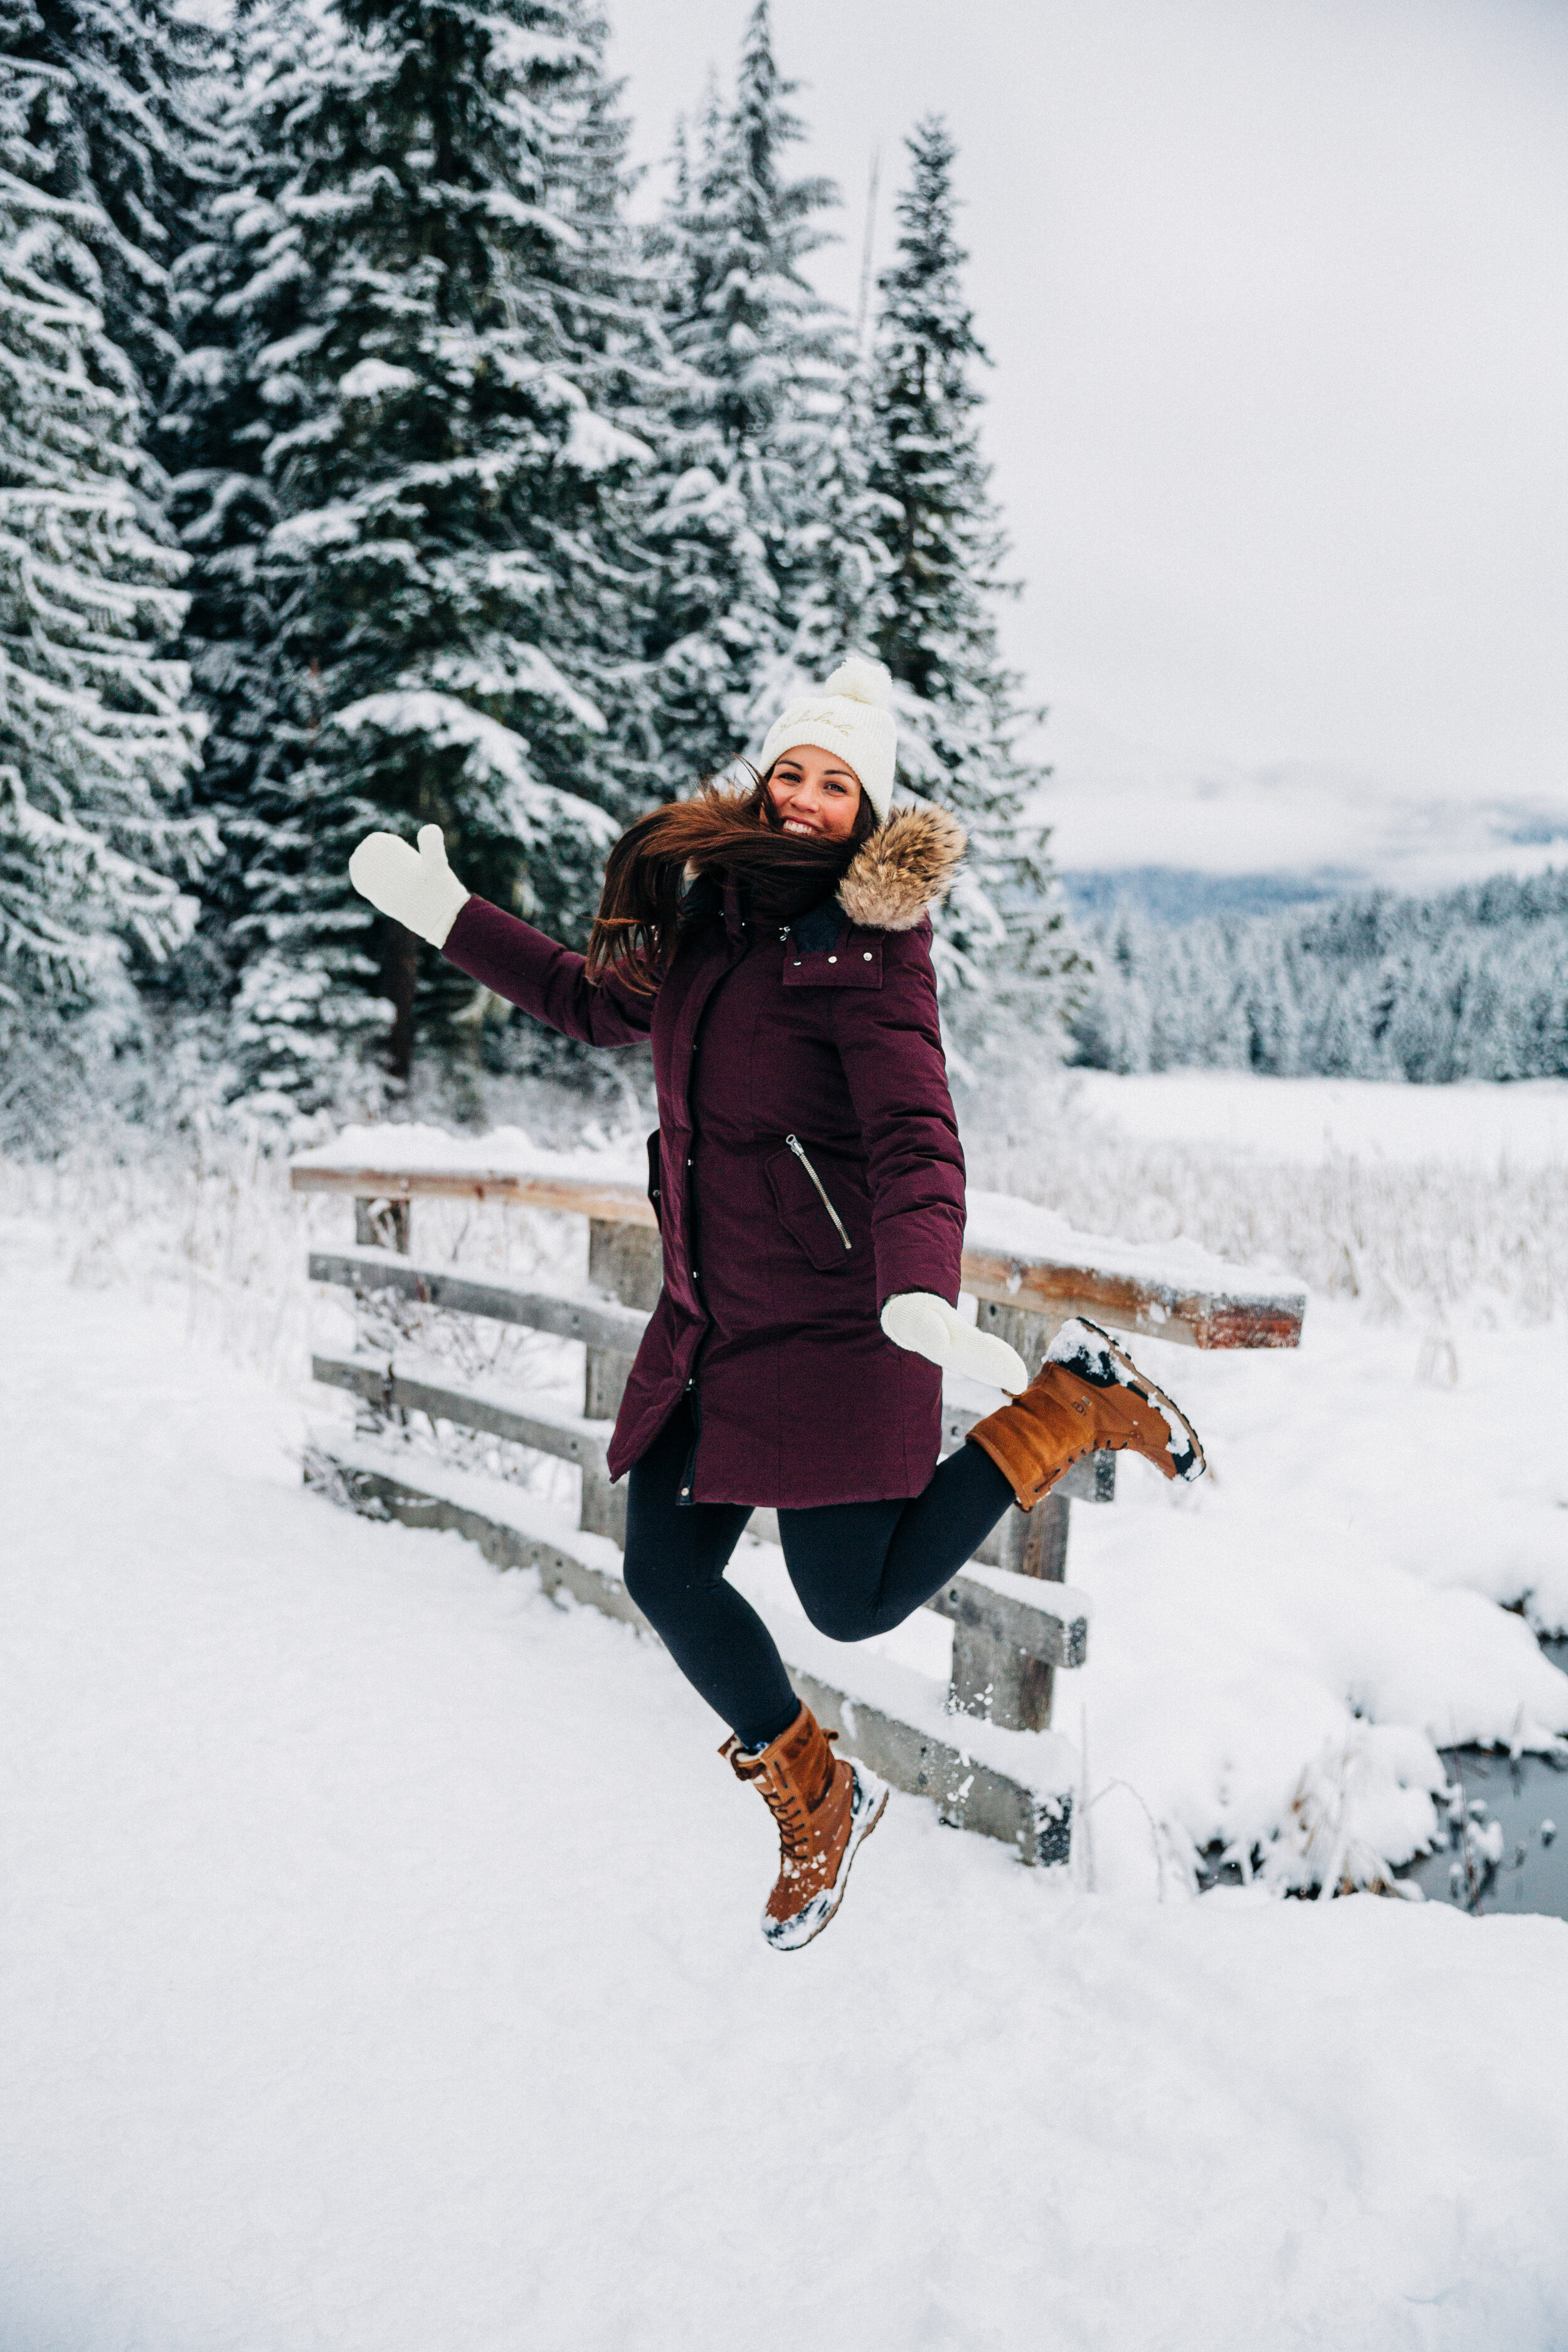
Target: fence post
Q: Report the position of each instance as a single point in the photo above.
(990, 1678)
(382, 1225)
(626, 1262)
(378, 1224)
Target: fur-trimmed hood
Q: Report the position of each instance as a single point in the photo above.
(903, 869)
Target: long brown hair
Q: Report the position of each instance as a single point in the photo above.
(734, 833)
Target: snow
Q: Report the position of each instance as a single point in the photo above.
(385, 1942)
(494, 752)
(997, 1221)
(313, 533)
(370, 379)
(593, 444)
(504, 1151)
(1304, 1120)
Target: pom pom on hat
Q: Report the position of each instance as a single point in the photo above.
(860, 679)
(851, 717)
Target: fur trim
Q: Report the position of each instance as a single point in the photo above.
(905, 868)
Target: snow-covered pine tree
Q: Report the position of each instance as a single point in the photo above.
(1002, 941)
(94, 738)
(453, 605)
(118, 122)
(735, 523)
(845, 555)
(239, 295)
(1470, 984)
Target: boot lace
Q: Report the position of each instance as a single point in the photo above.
(788, 1806)
(795, 1824)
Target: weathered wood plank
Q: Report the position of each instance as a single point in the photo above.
(1023, 1280)
(624, 1261)
(1031, 1627)
(600, 1324)
(376, 1494)
(969, 1794)
(388, 1384)
(996, 1682)
(577, 1196)
(1160, 1310)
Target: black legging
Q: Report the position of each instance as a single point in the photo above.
(858, 1569)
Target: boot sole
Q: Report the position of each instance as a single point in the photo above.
(794, 1934)
(1139, 1379)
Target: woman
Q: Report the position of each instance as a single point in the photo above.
(775, 947)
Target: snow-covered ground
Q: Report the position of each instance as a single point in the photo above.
(381, 1971)
(1302, 1119)
(379, 1941)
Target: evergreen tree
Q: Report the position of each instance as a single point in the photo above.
(239, 297)
(741, 454)
(94, 741)
(1470, 984)
(449, 601)
(118, 124)
(844, 546)
(1002, 941)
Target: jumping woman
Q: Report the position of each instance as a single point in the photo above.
(775, 947)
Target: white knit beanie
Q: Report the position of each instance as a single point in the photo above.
(852, 718)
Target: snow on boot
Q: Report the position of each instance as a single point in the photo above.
(1089, 1396)
(823, 1805)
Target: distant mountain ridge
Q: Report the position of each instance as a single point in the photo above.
(1174, 895)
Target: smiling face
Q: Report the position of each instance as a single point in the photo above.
(813, 792)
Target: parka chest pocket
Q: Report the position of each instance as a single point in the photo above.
(807, 1210)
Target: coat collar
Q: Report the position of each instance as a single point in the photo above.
(898, 874)
(898, 871)
(901, 871)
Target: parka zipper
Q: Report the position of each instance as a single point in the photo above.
(798, 1147)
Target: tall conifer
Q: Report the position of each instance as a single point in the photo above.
(934, 619)
(94, 740)
(447, 580)
(745, 433)
(239, 294)
(118, 121)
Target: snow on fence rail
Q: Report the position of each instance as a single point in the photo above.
(1029, 1272)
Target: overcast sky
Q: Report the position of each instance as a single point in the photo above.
(1277, 296)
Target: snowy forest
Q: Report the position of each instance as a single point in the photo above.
(1470, 984)
(368, 462)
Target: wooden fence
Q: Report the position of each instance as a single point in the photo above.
(1010, 1638)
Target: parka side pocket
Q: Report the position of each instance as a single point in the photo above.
(805, 1215)
(656, 1179)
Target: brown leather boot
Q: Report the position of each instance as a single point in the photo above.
(824, 1805)
(1089, 1396)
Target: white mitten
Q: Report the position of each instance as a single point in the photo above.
(929, 1326)
(414, 886)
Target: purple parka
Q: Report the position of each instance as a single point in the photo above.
(825, 1032)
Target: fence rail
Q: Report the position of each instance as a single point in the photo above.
(1031, 1280)
(1011, 1637)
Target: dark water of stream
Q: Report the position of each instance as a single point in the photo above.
(1507, 1831)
